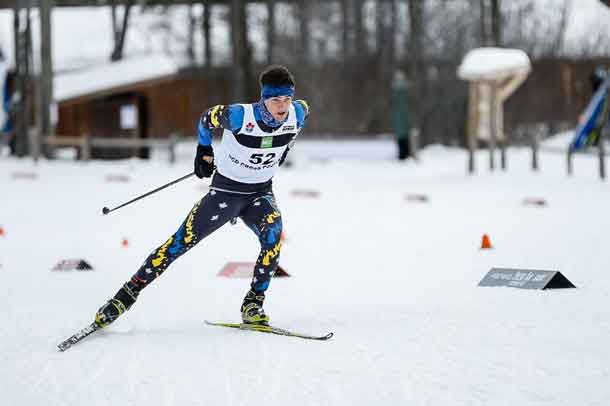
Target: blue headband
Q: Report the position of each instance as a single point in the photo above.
(269, 91)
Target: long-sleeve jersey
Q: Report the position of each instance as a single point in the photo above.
(251, 150)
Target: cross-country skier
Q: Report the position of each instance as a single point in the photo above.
(255, 141)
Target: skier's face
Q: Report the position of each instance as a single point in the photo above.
(278, 106)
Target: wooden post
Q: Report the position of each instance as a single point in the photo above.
(173, 140)
(493, 124)
(207, 45)
(471, 127)
(535, 148)
(500, 136)
(414, 143)
(270, 31)
(86, 151)
(46, 86)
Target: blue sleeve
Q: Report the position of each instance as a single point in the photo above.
(236, 117)
(302, 109)
(220, 116)
(204, 132)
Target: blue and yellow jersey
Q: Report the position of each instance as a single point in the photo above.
(231, 118)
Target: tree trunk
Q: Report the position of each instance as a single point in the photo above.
(270, 31)
(559, 38)
(46, 90)
(496, 22)
(415, 57)
(387, 21)
(379, 26)
(392, 33)
(207, 44)
(359, 37)
(485, 37)
(22, 30)
(345, 29)
(244, 84)
(115, 28)
(304, 10)
(117, 53)
(190, 47)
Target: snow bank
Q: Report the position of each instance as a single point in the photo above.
(395, 279)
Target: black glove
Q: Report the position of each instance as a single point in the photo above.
(204, 161)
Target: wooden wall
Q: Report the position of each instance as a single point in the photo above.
(171, 106)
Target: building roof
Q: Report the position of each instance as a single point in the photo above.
(114, 77)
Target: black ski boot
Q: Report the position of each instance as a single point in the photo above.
(119, 304)
(252, 309)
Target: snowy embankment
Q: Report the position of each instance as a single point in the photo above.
(396, 280)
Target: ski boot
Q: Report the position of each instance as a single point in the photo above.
(252, 309)
(119, 304)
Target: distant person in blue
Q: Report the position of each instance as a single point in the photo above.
(6, 121)
(256, 138)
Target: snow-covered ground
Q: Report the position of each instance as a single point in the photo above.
(396, 280)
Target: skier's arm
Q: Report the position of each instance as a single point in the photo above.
(302, 111)
(217, 117)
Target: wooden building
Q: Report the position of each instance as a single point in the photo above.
(136, 102)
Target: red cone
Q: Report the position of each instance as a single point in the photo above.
(485, 242)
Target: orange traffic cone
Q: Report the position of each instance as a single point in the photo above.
(2, 233)
(125, 243)
(485, 242)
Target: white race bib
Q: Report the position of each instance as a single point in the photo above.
(252, 155)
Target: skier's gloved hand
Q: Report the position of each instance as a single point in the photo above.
(204, 161)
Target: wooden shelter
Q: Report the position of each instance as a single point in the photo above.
(140, 103)
(493, 75)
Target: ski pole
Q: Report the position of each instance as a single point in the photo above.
(106, 210)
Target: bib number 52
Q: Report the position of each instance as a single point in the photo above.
(257, 159)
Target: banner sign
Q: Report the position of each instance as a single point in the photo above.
(526, 279)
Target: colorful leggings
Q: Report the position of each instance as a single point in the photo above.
(258, 211)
